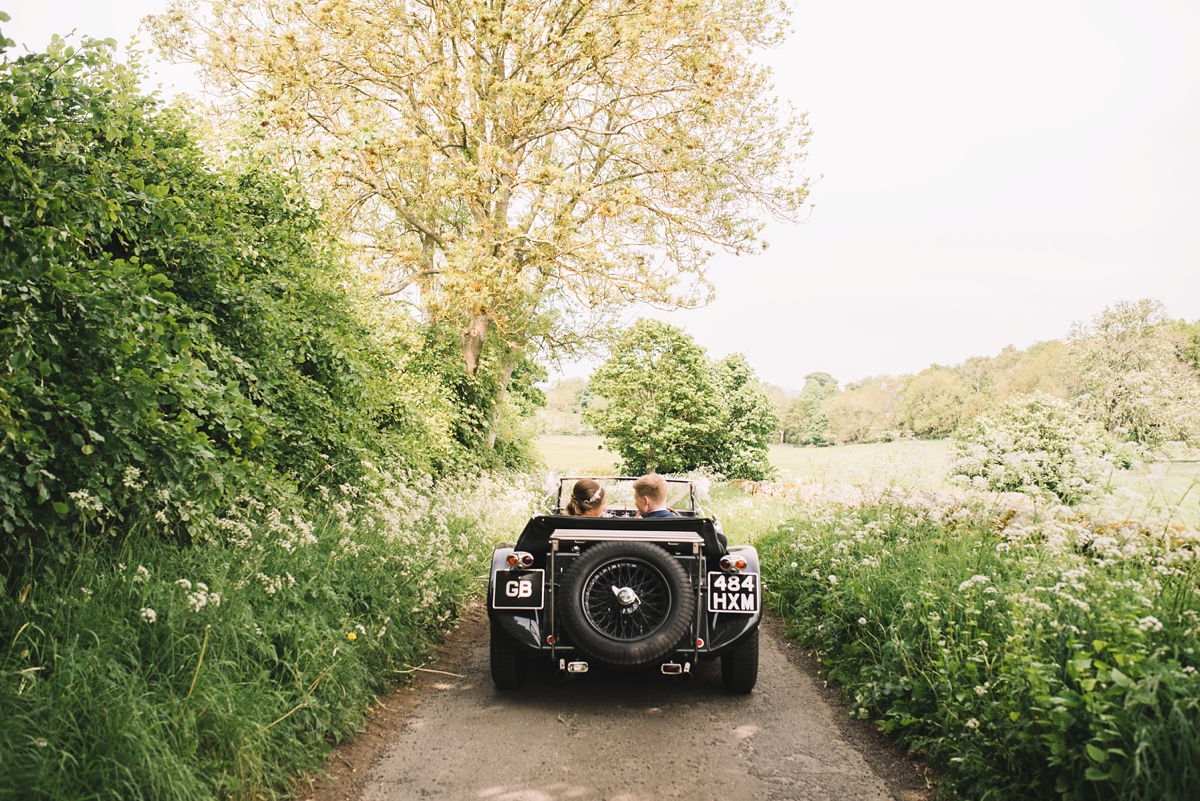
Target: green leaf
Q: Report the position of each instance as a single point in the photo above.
(1096, 754)
(60, 507)
(1096, 775)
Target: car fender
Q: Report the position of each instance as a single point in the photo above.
(726, 630)
(523, 628)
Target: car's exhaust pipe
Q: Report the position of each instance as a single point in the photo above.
(566, 669)
(683, 671)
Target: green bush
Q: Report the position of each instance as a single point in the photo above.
(165, 323)
(1028, 659)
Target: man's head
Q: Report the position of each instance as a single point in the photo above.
(650, 493)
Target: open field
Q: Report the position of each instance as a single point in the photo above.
(583, 455)
(1170, 489)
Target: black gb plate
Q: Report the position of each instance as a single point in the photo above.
(733, 592)
(518, 589)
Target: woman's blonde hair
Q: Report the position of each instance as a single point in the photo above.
(585, 496)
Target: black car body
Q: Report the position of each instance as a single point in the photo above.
(625, 592)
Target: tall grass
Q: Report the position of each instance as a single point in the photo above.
(1031, 654)
(134, 669)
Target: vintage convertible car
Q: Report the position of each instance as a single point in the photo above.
(625, 592)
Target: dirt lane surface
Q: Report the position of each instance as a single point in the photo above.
(613, 737)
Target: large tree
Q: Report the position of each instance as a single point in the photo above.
(1136, 380)
(670, 409)
(803, 422)
(521, 169)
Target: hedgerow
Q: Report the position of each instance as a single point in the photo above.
(169, 319)
(1029, 657)
(220, 531)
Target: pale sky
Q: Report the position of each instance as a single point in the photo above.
(992, 173)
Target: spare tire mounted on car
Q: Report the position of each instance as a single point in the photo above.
(626, 603)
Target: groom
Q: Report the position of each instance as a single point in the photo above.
(650, 497)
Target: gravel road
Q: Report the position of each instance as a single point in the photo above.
(611, 736)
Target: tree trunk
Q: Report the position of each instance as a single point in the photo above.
(472, 342)
(507, 364)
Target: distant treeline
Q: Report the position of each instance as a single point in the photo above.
(1132, 370)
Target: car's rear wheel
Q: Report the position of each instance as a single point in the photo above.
(508, 663)
(626, 604)
(739, 667)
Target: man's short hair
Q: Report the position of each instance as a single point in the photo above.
(652, 486)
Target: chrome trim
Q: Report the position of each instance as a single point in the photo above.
(604, 535)
(701, 596)
(550, 589)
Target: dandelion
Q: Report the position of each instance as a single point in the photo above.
(147, 614)
(793, 564)
(352, 636)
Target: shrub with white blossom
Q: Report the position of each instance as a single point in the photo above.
(1035, 444)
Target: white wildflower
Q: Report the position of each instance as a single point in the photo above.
(972, 724)
(148, 614)
(862, 621)
(187, 585)
(142, 575)
(131, 479)
(833, 579)
(86, 503)
(1150, 623)
(972, 581)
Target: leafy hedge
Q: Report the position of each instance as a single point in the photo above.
(1029, 658)
(166, 323)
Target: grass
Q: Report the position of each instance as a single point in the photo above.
(1030, 658)
(1166, 492)
(131, 668)
(571, 454)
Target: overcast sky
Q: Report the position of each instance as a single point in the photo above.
(992, 173)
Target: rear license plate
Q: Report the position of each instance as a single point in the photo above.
(733, 592)
(518, 589)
